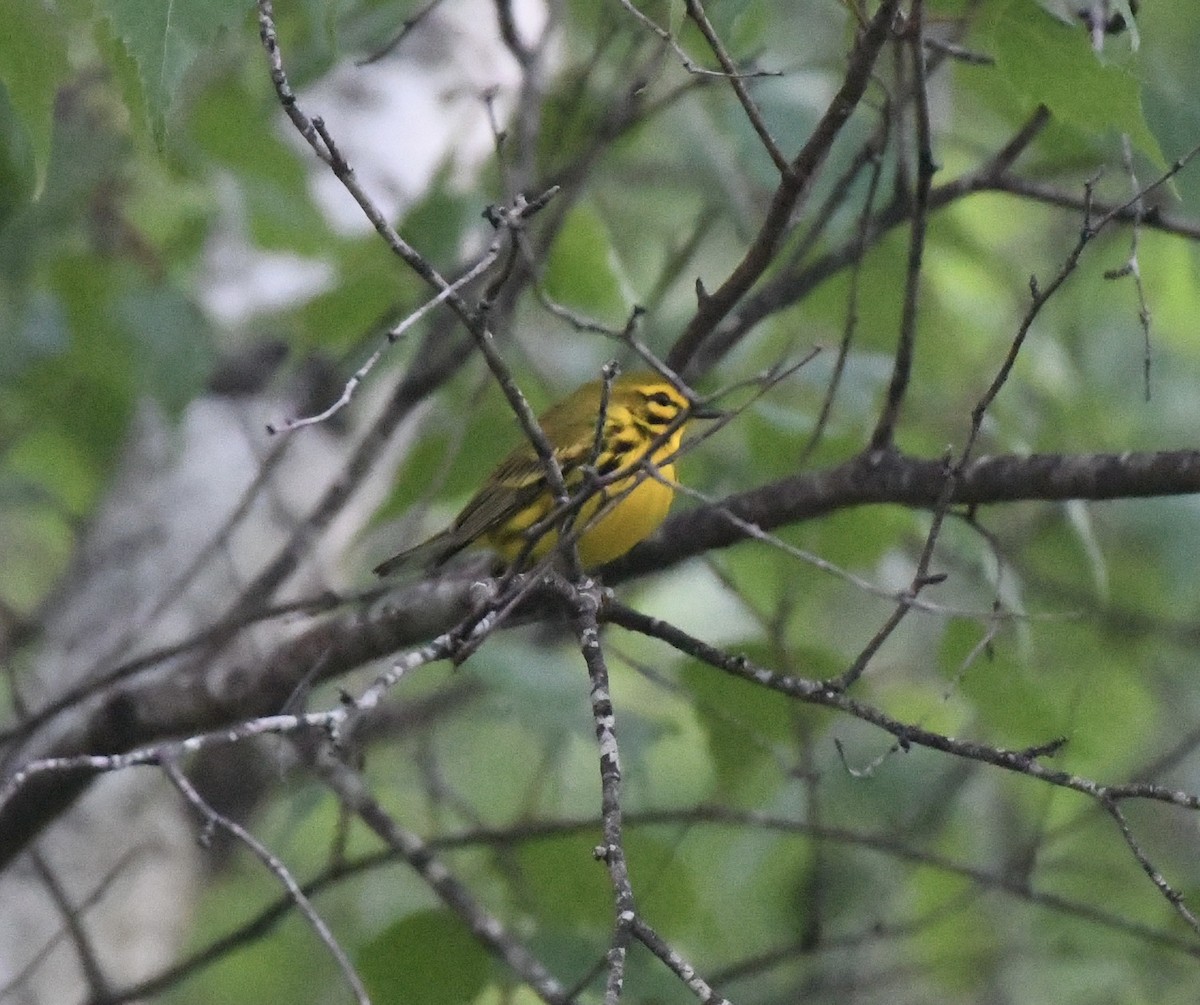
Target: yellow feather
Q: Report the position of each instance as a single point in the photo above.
(643, 412)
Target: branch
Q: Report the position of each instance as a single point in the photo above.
(486, 927)
(793, 188)
(885, 429)
(896, 478)
(586, 599)
(153, 705)
(649, 938)
(714, 816)
(212, 819)
(696, 13)
(164, 702)
(827, 695)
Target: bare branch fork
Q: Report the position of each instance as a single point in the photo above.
(103, 734)
(794, 185)
(1002, 882)
(142, 711)
(882, 437)
(485, 262)
(433, 365)
(830, 696)
(893, 477)
(212, 819)
(441, 357)
(888, 478)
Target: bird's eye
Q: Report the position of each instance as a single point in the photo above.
(660, 398)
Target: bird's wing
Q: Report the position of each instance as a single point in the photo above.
(516, 484)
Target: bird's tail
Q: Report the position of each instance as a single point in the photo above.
(428, 554)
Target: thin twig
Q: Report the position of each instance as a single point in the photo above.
(885, 429)
(793, 283)
(680, 967)
(94, 895)
(89, 962)
(212, 819)
(1173, 896)
(323, 145)
(1042, 294)
(688, 63)
(696, 13)
(531, 831)
(850, 325)
(486, 261)
(820, 693)
(793, 188)
(336, 722)
(406, 26)
(352, 790)
(1132, 266)
(755, 533)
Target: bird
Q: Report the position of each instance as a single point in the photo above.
(644, 417)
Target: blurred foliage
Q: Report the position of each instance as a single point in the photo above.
(132, 142)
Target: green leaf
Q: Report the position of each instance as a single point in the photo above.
(677, 14)
(571, 890)
(35, 540)
(164, 38)
(742, 723)
(272, 177)
(17, 169)
(1051, 63)
(174, 349)
(56, 465)
(563, 879)
(583, 270)
(428, 957)
(33, 63)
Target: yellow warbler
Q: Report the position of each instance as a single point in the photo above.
(643, 419)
